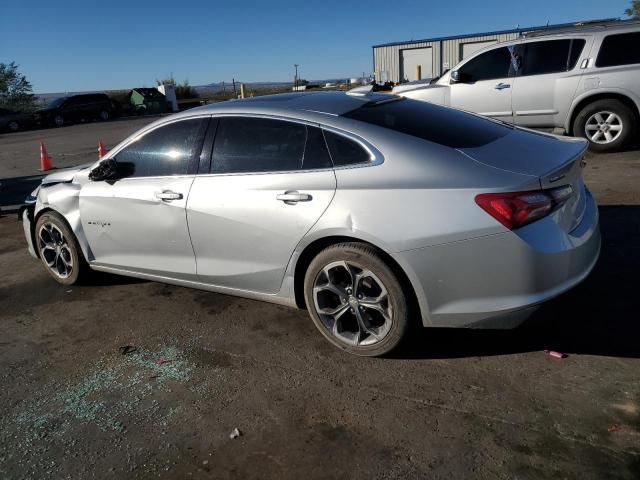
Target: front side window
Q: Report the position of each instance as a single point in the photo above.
(165, 151)
(487, 66)
(621, 49)
(551, 56)
(254, 145)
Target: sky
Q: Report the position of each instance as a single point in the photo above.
(70, 45)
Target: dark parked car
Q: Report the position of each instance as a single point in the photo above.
(76, 108)
(12, 121)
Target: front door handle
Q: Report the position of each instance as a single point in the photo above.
(168, 195)
(502, 86)
(291, 197)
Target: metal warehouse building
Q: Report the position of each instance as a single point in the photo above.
(398, 61)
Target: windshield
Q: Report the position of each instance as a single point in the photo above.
(56, 103)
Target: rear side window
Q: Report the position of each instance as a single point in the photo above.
(345, 151)
(553, 56)
(487, 66)
(165, 151)
(621, 49)
(435, 123)
(253, 145)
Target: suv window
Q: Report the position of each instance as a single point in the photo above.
(487, 66)
(250, 145)
(164, 151)
(620, 49)
(345, 151)
(435, 123)
(551, 56)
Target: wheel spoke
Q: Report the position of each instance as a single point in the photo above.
(599, 118)
(334, 312)
(615, 128)
(363, 328)
(597, 136)
(592, 127)
(611, 118)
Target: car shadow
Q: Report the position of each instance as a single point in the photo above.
(104, 279)
(599, 317)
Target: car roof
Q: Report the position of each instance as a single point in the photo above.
(329, 103)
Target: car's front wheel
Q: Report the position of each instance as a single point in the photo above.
(58, 120)
(104, 115)
(355, 299)
(59, 249)
(608, 124)
(13, 126)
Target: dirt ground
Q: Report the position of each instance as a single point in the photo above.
(452, 404)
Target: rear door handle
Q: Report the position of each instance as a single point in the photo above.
(291, 197)
(502, 86)
(168, 195)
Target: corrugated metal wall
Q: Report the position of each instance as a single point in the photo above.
(387, 58)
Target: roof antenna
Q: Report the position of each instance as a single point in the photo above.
(547, 23)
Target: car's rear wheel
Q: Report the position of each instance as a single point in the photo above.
(355, 299)
(13, 126)
(104, 115)
(608, 124)
(59, 249)
(58, 120)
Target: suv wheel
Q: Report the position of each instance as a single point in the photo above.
(104, 115)
(13, 126)
(58, 120)
(355, 300)
(609, 125)
(59, 249)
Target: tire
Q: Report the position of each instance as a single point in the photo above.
(58, 120)
(608, 124)
(59, 250)
(104, 115)
(329, 292)
(13, 126)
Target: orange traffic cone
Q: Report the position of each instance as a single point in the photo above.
(45, 159)
(101, 150)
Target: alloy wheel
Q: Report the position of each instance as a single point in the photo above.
(14, 126)
(603, 127)
(353, 303)
(55, 250)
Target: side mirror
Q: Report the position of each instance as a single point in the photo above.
(455, 76)
(106, 170)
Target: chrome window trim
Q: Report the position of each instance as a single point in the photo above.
(374, 154)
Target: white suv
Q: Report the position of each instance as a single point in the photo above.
(584, 81)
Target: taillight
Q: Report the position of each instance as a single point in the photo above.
(516, 209)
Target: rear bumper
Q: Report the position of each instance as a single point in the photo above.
(497, 281)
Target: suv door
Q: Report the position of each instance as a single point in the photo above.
(548, 75)
(484, 84)
(138, 222)
(269, 182)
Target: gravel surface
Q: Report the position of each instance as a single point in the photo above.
(131, 379)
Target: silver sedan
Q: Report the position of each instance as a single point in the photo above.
(370, 211)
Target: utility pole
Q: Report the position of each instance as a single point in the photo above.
(295, 78)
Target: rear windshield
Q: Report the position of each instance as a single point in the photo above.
(437, 124)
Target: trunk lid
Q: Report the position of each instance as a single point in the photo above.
(556, 161)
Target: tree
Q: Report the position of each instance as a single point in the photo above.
(16, 92)
(634, 10)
